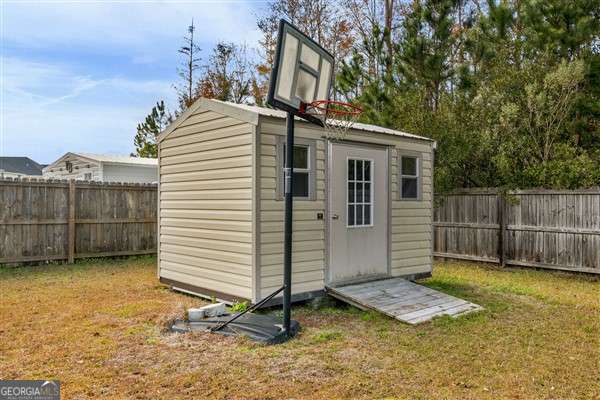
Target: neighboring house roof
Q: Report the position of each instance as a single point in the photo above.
(20, 165)
(250, 114)
(110, 159)
(119, 159)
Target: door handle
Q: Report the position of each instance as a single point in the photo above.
(335, 216)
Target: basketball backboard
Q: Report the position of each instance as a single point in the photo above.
(302, 73)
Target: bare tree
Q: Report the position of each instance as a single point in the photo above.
(228, 76)
(190, 50)
(322, 20)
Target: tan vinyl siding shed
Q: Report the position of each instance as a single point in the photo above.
(221, 210)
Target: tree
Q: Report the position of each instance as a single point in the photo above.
(229, 74)
(488, 81)
(509, 89)
(372, 87)
(322, 20)
(519, 51)
(535, 149)
(145, 140)
(425, 50)
(190, 50)
(368, 76)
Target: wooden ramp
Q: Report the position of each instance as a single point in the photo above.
(402, 299)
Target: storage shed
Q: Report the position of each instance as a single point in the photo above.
(362, 209)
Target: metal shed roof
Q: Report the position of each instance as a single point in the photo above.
(251, 114)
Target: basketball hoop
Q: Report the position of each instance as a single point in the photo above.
(337, 117)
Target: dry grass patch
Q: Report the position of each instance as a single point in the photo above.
(99, 328)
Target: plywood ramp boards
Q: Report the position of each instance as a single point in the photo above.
(206, 204)
(403, 300)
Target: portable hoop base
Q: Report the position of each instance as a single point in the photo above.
(260, 328)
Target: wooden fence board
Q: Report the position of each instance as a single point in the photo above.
(538, 228)
(37, 222)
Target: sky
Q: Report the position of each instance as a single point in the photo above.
(79, 75)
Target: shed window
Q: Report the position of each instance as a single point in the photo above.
(301, 170)
(304, 169)
(409, 177)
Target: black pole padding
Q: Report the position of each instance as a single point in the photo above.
(289, 205)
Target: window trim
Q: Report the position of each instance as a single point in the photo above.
(419, 158)
(372, 192)
(311, 144)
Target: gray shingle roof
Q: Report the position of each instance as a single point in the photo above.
(20, 165)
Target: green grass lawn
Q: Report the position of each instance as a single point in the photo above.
(98, 327)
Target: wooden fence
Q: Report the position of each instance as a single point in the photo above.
(537, 228)
(43, 220)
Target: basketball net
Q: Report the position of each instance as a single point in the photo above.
(337, 117)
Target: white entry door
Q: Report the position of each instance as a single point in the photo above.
(358, 213)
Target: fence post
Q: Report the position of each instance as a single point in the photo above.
(502, 229)
(71, 235)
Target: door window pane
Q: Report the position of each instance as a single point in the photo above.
(367, 215)
(359, 214)
(351, 214)
(351, 164)
(367, 193)
(359, 170)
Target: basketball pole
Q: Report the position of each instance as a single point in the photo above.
(289, 208)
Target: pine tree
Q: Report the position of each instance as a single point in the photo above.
(190, 50)
(372, 88)
(425, 51)
(145, 139)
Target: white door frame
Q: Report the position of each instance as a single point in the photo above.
(328, 200)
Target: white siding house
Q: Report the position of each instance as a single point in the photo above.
(103, 168)
(221, 208)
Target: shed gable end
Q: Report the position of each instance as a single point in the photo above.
(205, 203)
